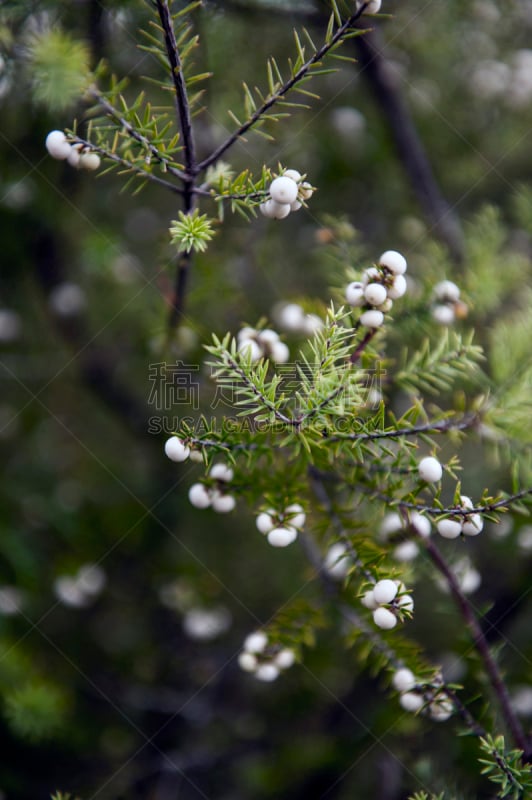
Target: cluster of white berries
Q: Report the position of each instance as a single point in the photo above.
(446, 305)
(77, 154)
(379, 287)
(281, 528)
(287, 193)
(413, 698)
(387, 599)
(254, 344)
(292, 318)
(265, 663)
(79, 590)
(393, 525)
(215, 496)
(511, 83)
(470, 525)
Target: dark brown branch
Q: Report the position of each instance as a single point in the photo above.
(182, 104)
(283, 90)
(482, 647)
(412, 155)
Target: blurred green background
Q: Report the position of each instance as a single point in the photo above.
(117, 692)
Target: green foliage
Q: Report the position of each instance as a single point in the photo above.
(60, 68)
(505, 768)
(434, 368)
(36, 711)
(192, 232)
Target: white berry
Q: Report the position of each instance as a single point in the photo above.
(176, 450)
(449, 528)
(354, 294)
(89, 161)
(285, 658)
(421, 524)
(267, 673)
(267, 336)
(430, 469)
(293, 174)
(441, 710)
(391, 523)
(466, 501)
(336, 565)
(398, 287)
(199, 496)
(406, 551)
(305, 190)
(473, 525)
(223, 503)
(279, 352)
(221, 472)
(273, 210)
(255, 642)
(447, 291)
(264, 522)
(57, 145)
(375, 294)
(412, 701)
(372, 319)
(282, 537)
(384, 619)
(368, 600)
(443, 315)
(247, 662)
(404, 680)
(406, 602)
(373, 7)
(283, 190)
(250, 350)
(74, 155)
(296, 515)
(384, 591)
(393, 261)
(296, 205)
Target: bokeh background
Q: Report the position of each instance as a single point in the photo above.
(121, 681)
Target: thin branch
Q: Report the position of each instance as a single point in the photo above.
(112, 112)
(279, 416)
(412, 155)
(128, 165)
(301, 73)
(465, 422)
(178, 78)
(482, 647)
(462, 512)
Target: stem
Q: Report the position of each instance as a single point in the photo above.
(283, 90)
(430, 427)
(182, 104)
(482, 647)
(185, 123)
(462, 512)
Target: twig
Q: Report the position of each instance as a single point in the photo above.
(182, 104)
(465, 422)
(283, 90)
(462, 512)
(481, 645)
(112, 112)
(141, 173)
